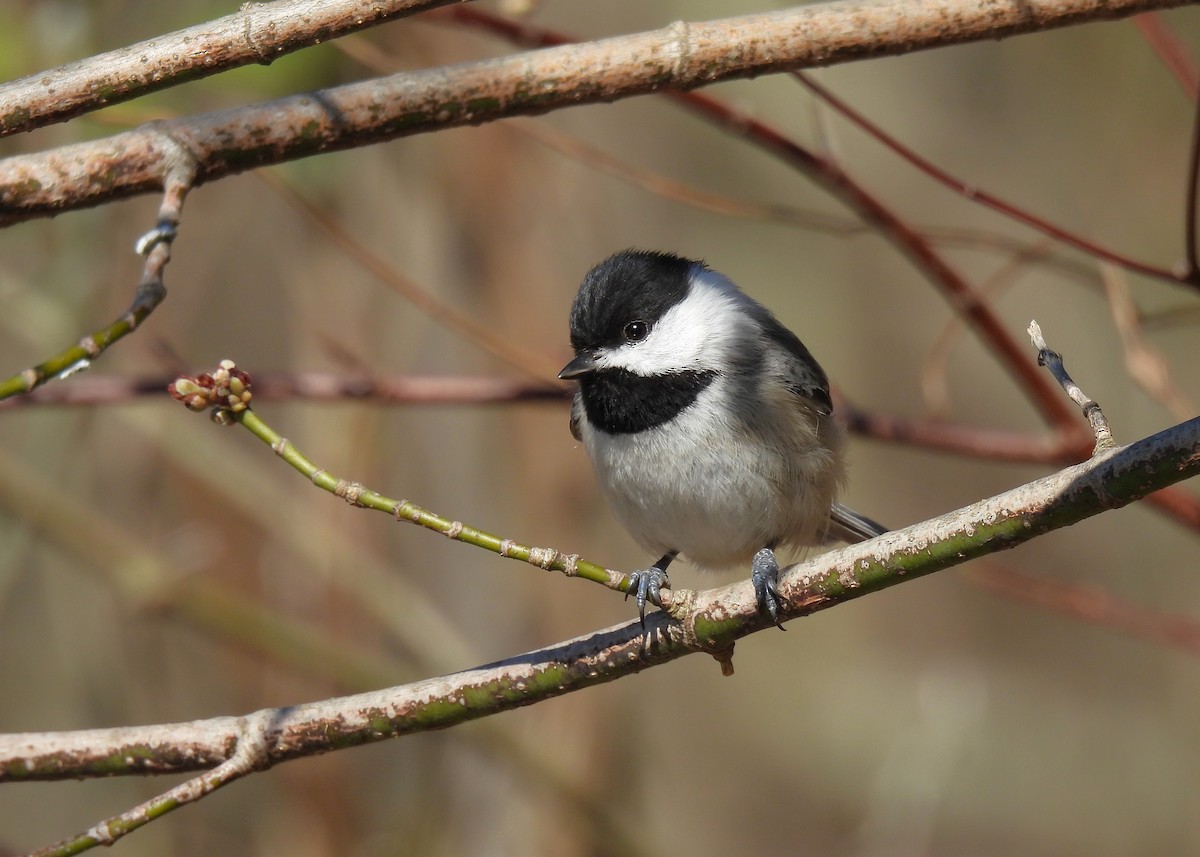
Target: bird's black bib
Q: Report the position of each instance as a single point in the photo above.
(618, 401)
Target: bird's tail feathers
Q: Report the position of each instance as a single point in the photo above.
(848, 526)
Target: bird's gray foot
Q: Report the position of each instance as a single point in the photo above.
(764, 574)
(647, 584)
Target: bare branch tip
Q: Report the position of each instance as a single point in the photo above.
(1053, 361)
(1035, 334)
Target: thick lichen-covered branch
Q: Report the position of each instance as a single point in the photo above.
(709, 620)
(256, 33)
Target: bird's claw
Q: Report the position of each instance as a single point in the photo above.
(764, 574)
(647, 585)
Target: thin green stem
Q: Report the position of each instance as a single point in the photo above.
(356, 494)
(78, 357)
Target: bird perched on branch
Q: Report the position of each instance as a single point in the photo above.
(708, 422)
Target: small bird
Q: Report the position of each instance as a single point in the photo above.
(708, 422)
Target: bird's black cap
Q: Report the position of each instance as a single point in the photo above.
(632, 284)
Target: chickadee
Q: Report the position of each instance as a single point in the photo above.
(707, 421)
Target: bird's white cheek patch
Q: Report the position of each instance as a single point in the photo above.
(696, 334)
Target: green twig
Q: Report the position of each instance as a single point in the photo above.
(227, 391)
(155, 247)
(145, 580)
(79, 357)
(356, 494)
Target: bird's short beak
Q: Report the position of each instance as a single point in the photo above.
(581, 365)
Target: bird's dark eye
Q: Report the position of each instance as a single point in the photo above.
(635, 331)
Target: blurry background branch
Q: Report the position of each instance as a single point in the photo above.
(104, 390)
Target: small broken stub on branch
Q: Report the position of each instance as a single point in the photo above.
(1052, 360)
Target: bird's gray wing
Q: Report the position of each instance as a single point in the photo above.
(803, 374)
(806, 378)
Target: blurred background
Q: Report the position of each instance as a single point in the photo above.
(186, 572)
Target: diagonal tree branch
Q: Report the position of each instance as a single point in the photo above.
(681, 56)
(1172, 51)
(829, 175)
(709, 621)
(986, 198)
(256, 33)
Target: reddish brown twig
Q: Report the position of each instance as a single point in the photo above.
(1171, 50)
(1192, 204)
(973, 441)
(1144, 362)
(1178, 503)
(985, 198)
(471, 327)
(1093, 605)
(102, 390)
(836, 181)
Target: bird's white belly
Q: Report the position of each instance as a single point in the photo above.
(687, 487)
